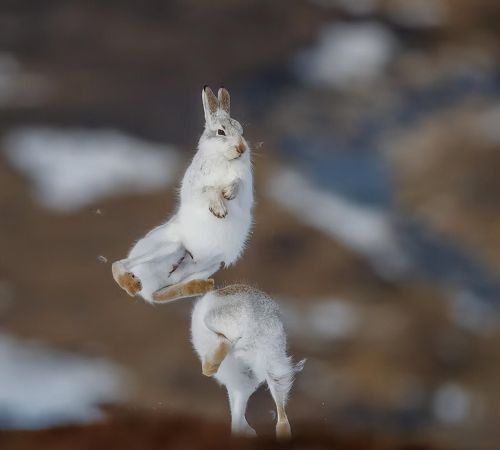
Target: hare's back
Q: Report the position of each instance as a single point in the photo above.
(245, 313)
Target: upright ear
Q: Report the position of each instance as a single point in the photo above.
(210, 102)
(224, 100)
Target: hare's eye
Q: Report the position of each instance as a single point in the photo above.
(221, 132)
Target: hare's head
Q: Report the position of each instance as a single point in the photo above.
(222, 133)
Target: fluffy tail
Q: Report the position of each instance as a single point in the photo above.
(297, 367)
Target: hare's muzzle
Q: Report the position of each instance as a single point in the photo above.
(240, 148)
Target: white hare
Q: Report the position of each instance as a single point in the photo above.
(213, 220)
(240, 340)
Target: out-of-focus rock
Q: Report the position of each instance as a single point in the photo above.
(447, 173)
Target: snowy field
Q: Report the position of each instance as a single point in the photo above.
(75, 168)
(42, 387)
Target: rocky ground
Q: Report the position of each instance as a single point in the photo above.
(152, 433)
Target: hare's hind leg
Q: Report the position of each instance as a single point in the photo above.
(133, 273)
(283, 430)
(190, 269)
(183, 290)
(213, 359)
(279, 380)
(238, 399)
(240, 383)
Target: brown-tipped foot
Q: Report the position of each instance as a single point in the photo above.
(182, 290)
(126, 280)
(130, 283)
(211, 362)
(209, 369)
(283, 431)
(230, 192)
(218, 211)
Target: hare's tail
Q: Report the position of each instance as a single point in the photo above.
(297, 367)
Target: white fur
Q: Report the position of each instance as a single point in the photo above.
(210, 240)
(205, 235)
(250, 321)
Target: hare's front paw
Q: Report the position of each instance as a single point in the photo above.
(230, 192)
(217, 208)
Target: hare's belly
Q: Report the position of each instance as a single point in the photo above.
(207, 236)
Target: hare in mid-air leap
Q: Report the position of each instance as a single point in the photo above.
(239, 337)
(213, 219)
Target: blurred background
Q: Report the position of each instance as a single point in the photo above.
(375, 127)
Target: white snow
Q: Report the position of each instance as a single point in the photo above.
(323, 319)
(365, 230)
(347, 54)
(41, 387)
(451, 404)
(333, 319)
(71, 169)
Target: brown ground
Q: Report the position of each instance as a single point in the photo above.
(152, 433)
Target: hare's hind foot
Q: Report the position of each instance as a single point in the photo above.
(182, 290)
(213, 360)
(126, 280)
(283, 431)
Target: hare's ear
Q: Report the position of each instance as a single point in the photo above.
(210, 103)
(224, 100)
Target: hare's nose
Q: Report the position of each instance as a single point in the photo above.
(240, 148)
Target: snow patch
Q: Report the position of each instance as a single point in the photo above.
(333, 319)
(41, 387)
(324, 319)
(365, 230)
(71, 169)
(451, 404)
(347, 54)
